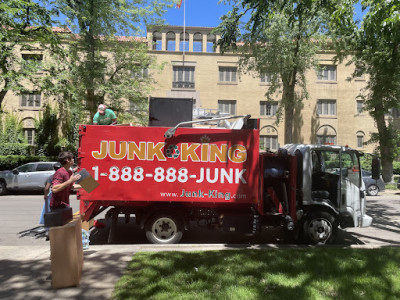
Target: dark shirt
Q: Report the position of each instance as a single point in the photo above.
(61, 199)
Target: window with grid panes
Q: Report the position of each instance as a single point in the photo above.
(227, 107)
(30, 135)
(268, 108)
(360, 141)
(326, 107)
(227, 74)
(31, 100)
(327, 72)
(269, 142)
(33, 60)
(183, 77)
(360, 105)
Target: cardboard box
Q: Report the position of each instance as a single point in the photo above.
(66, 254)
(86, 181)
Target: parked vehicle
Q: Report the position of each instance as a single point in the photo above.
(28, 177)
(218, 178)
(372, 186)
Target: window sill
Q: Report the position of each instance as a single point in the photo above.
(327, 117)
(326, 82)
(30, 108)
(227, 83)
(183, 89)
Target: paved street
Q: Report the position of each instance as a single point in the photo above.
(21, 213)
(25, 265)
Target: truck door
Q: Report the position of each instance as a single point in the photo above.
(351, 186)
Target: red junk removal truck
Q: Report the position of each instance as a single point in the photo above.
(218, 177)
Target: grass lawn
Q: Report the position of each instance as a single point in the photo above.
(302, 273)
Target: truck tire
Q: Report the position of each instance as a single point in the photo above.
(3, 189)
(372, 190)
(164, 228)
(320, 227)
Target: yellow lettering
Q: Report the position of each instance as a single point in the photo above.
(103, 151)
(237, 153)
(113, 151)
(220, 153)
(189, 151)
(204, 152)
(155, 150)
(140, 151)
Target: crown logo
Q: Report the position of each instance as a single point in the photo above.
(205, 139)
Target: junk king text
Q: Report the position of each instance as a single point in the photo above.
(195, 152)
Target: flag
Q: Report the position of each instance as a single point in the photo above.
(178, 5)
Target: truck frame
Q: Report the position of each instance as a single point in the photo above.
(168, 177)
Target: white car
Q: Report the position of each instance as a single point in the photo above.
(28, 177)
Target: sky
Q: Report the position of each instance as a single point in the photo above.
(205, 13)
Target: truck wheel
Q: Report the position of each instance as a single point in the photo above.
(3, 189)
(372, 190)
(320, 228)
(164, 228)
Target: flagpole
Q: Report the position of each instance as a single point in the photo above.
(184, 31)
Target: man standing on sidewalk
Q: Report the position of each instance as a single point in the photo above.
(63, 181)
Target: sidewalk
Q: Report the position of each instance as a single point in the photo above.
(26, 271)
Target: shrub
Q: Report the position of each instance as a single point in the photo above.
(16, 149)
(396, 167)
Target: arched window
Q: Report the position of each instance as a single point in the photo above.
(184, 42)
(360, 139)
(211, 42)
(171, 41)
(197, 42)
(29, 130)
(157, 41)
(326, 135)
(269, 138)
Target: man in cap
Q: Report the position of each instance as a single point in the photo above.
(104, 116)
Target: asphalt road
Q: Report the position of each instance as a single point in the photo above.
(20, 216)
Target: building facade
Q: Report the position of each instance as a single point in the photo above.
(195, 68)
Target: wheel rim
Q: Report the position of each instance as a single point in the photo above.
(164, 229)
(373, 190)
(319, 230)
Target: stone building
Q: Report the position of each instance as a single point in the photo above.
(194, 68)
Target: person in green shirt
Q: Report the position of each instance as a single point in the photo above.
(104, 116)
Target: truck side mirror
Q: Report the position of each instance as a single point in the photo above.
(376, 168)
(15, 172)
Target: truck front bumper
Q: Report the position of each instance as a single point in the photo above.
(366, 221)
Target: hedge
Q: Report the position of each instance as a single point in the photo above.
(9, 162)
(16, 149)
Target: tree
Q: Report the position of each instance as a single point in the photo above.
(375, 50)
(104, 63)
(280, 38)
(23, 24)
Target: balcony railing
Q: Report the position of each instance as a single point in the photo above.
(183, 85)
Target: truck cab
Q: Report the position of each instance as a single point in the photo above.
(330, 190)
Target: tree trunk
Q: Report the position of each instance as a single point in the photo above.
(288, 101)
(385, 145)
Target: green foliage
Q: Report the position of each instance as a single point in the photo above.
(88, 78)
(16, 149)
(21, 22)
(9, 162)
(47, 132)
(282, 39)
(11, 129)
(396, 167)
